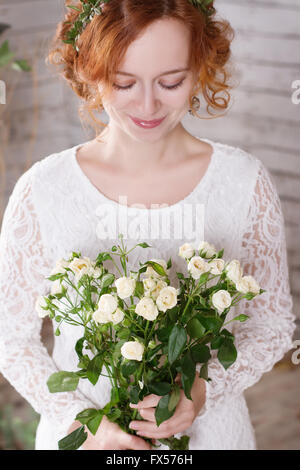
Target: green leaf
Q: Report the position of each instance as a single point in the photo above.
(85, 415)
(241, 317)
(174, 398)
(164, 333)
(188, 369)
(73, 7)
(114, 414)
(128, 368)
(102, 257)
(94, 369)
(62, 382)
(79, 347)
(176, 343)
(144, 245)
(94, 423)
(176, 444)
(114, 395)
(227, 333)
(139, 289)
(210, 321)
(5, 54)
(202, 279)
(200, 353)
(159, 388)
(162, 412)
(124, 333)
(107, 279)
(216, 342)
(157, 267)
(134, 394)
(74, 440)
(173, 313)
(227, 353)
(21, 65)
(194, 328)
(204, 372)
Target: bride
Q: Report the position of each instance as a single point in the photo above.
(144, 63)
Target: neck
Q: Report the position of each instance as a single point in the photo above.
(131, 155)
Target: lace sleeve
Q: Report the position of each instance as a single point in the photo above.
(267, 335)
(24, 360)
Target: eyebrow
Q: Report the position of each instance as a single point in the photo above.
(164, 73)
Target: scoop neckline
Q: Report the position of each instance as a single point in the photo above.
(102, 196)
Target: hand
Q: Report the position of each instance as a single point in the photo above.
(185, 413)
(110, 436)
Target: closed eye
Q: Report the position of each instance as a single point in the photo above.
(169, 87)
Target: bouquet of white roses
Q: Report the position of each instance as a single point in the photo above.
(144, 344)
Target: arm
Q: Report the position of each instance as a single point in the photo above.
(24, 360)
(267, 335)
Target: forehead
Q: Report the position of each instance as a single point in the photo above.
(163, 45)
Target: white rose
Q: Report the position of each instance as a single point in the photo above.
(167, 298)
(60, 266)
(151, 272)
(107, 303)
(160, 284)
(197, 266)
(149, 284)
(132, 350)
(96, 271)
(153, 286)
(101, 317)
(248, 284)
(125, 287)
(234, 271)
(117, 316)
(216, 266)
(56, 287)
(206, 250)
(41, 302)
(81, 266)
(146, 308)
(186, 251)
(221, 300)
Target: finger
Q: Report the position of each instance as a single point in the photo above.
(148, 402)
(167, 428)
(135, 442)
(162, 435)
(148, 414)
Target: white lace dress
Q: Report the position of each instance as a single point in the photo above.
(54, 209)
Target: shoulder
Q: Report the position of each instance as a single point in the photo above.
(53, 165)
(237, 156)
(236, 164)
(49, 170)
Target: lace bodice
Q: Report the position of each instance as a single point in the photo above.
(54, 209)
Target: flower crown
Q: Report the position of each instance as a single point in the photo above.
(90, 8)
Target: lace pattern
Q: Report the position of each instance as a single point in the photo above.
(267, 335)
(24, 360)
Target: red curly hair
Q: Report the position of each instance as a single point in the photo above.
(104, 41)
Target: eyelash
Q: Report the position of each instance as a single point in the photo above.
(171, 87)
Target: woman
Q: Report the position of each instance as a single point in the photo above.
(143, 64)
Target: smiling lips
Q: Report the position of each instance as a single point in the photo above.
(147, 124)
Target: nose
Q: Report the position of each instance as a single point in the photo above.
(148, 104)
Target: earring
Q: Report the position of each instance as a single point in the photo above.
(195, 104)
